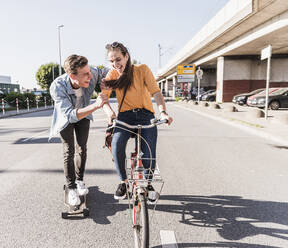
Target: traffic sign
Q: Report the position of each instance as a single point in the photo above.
(199, 73)
(185, 69)
(185, 78)
(266, 52)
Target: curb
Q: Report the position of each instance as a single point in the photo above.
(248, 129)
(23, 113)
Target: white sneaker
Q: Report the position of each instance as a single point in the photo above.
(81, 188)
(73, 198)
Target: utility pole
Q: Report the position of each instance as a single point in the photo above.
(160, 54)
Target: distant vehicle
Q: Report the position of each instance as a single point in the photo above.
(209, 97)
(277, 99)
(204, 93)
(241, 99)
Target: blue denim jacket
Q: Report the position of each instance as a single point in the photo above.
(64, 99)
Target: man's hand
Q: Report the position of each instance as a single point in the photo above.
(164, 115)
(101, 100)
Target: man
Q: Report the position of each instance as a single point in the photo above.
(72, 114)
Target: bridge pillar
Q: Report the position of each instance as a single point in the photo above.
(240, 74)
(174, 86)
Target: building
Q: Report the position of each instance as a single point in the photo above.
(229, 46)
(6, 86)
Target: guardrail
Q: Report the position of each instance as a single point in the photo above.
(37, 103)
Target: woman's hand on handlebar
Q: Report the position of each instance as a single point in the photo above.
(164, 115)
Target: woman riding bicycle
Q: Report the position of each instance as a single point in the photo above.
(134, 85)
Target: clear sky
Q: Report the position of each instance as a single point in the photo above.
(29, 34)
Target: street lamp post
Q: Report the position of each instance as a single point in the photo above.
(59, 27)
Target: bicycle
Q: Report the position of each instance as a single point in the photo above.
(138, 181)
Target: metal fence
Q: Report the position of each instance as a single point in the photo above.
(28, 104)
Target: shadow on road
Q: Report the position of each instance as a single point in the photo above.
(280, 147)
(42, 113)
(219, 244)
(103, 205)
(87, 171)
(37, 141)
(233, 217)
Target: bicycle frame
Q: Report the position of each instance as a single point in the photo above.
(138, 183)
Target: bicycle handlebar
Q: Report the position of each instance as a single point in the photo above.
(154, 122)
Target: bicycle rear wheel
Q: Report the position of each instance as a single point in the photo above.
(141, 223)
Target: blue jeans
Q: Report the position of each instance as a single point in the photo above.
(120, 139)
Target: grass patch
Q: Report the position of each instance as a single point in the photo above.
(177, 98)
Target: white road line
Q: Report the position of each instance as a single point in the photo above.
(34, 136)
(168, 239)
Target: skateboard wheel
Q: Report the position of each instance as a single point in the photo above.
(86, 212)
(64, 215)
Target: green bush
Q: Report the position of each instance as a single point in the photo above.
(11, 99)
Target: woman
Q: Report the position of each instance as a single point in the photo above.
(134, 85)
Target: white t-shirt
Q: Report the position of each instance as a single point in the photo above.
(79, 99)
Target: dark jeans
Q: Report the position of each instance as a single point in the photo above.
(120, 139)
(71, 172)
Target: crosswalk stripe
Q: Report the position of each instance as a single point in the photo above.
(168, 239)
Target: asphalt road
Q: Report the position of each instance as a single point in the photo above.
(223, 187)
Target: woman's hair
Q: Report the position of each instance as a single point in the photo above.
(126, 79)
(73, 62)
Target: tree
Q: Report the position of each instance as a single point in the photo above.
(46, 74)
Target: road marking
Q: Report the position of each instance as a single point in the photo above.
(168, 239)
(34, 136)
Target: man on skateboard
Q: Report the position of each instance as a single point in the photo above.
(72, 113)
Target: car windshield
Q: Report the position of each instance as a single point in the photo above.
(270, 91)
(256, 91)
(279, 91)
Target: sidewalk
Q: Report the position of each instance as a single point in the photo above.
(23, 111)
(275, 128)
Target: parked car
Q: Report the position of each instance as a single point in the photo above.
(209, 97)
(251, 99)
(204, 93)
(241, 99)
(277, 99)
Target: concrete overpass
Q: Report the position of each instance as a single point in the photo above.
(228, 49)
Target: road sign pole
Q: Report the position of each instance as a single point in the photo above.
(266, 54)
(198, 95)
(267, 86)
(199, 74)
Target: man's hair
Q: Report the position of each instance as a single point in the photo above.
(73, 62)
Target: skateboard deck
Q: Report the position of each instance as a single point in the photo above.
(77, 209)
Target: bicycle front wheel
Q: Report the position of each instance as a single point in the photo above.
(141, 222)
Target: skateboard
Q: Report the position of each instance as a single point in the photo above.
(75, 210)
